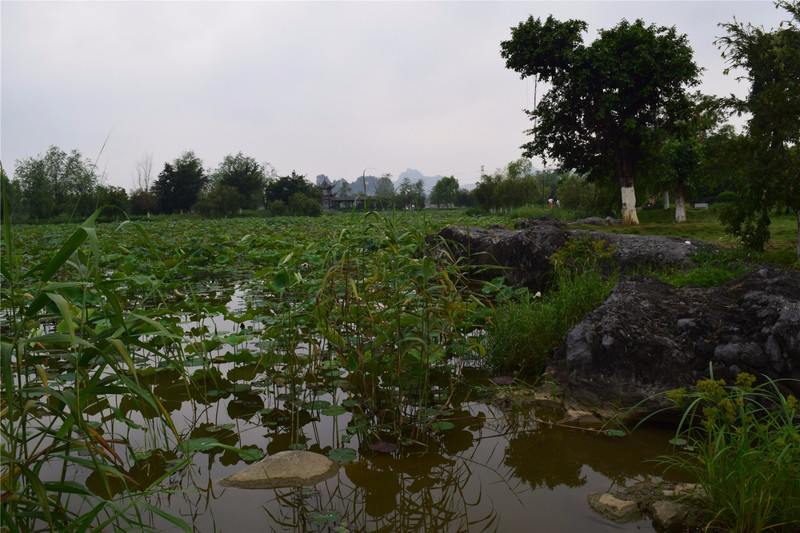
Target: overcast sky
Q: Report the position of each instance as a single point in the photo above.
(331, 88)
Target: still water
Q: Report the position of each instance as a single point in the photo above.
(497, 466)
(499, 469)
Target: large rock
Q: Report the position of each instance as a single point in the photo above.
(522, 255)
(649, 337)
(284, 469)
(519, 255)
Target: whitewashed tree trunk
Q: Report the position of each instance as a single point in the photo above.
(629, 215)
(798, 235)
(666, 199)
(680, 208)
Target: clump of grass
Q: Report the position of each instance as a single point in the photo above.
(526, 327)
(742, 444)
(713, 267)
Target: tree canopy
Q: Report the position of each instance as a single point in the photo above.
(445, 191)
(56, 183)
(769, 153)
(605, 99)
(180, 183)
(284, 187)
(244, 174)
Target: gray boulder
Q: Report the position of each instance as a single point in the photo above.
(649, 337)
(519, 255)
(522, 255)
(293, 468)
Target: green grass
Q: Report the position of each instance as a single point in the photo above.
(742, 444)
(526, 327)
(703, 224)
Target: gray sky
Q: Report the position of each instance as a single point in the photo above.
(316, 87)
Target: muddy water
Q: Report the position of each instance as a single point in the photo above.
(496, 470)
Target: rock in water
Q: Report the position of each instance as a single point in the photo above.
(284, 469)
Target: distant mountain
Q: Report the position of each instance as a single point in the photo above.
(415, 175)
(357, 184)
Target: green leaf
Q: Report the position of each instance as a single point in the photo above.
(442, 425)
(334, 410)
(342, 455)
(316, 404)
(615, 433)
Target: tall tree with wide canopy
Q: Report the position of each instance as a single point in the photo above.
(57, 183)
(445, 191)
(769, 152)
(284, 187)
(244, 174)
(180, 183)
(605, 99)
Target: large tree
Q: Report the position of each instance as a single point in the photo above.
(244, 174)
(284, 187)
(769, 151)
(605, 99)
(56, 183)
(180, 183)
(445, 191)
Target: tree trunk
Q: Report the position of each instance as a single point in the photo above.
(626, 171)
(680, 203)
(629, 215)
(666, 199)
(798, 235)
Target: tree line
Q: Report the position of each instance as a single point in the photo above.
(58, 184)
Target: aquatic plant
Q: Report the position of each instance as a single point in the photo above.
(742, 444)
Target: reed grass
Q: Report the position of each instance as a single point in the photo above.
(742, 444)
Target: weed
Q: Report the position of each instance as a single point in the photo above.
(742, 444)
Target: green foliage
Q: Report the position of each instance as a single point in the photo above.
(445, 192)
(57, 183)
(768, 154)
(742, 444)
(617, 90)
(526, 327)
(302, 205)
(66, 314)
(726, 197)
(180, 183)
(515, 186)
(221, 200)
(143, 202)
(284, 187)
(114, 197)
(575, 192)
(277, 208)
(394, 320)
(245, 175)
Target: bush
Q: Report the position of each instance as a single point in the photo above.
(222, 200)
(726, 197)
(742, 444)
(277, 208)
(302, 205)
(526, 327)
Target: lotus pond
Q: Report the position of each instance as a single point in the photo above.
(144, 362)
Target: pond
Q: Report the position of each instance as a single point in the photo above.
(189, 354)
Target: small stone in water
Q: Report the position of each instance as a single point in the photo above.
(502, 380)
(383, 447)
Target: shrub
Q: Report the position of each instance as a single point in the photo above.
(302, 205)
(527, 327)
(277, 208)
(742, 444)
(726, 197)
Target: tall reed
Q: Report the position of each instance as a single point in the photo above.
(69, 345)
